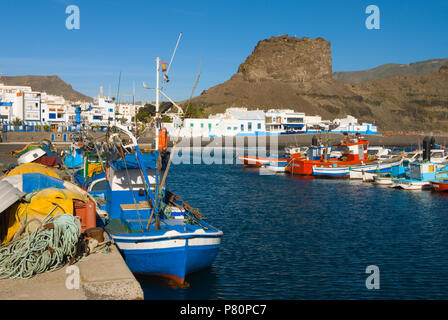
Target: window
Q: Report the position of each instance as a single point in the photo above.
(192, 125)
(229, 128)
(235, 128)
(294, 120)
(242, 127)
(99, 186)
(249, 126)
(52, 116)
(202, 125)
(259, 126)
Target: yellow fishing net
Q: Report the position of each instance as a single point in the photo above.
(94, 168)
(50, 201)
(33, 168)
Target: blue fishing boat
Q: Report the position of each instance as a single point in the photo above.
(344, 171)
(155, 230)
(420, 176)
(421, 173)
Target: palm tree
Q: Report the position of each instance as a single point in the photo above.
(17, 122)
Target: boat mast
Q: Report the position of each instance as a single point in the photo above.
(157, 103)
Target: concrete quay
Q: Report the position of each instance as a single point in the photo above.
(103, 276)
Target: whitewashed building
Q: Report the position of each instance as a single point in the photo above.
(126, 111)
(234, 122)
(53, 109)
(284, 121)
(350, 125)
(243, 122)
(19, 102)
(102, 111)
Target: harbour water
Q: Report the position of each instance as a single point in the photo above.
(291, 237)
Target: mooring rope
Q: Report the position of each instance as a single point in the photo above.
(45, 249)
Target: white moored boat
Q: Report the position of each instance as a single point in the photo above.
(382, 180)
(346, 171)
(31, 156)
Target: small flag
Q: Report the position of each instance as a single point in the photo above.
(164, 65)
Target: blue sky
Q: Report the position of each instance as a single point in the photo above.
(127, 36)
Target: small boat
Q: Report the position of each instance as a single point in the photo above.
(421, 176)
(365, 176)
(439, 156)
(350, 152)
(277, 166)
(411, 184)
(157, 235)
(253, 161)
(382, 180)
(156, 231)
(38, 152)
(379, 152)
(440, 185)
(291, 151)
(30, 156)
(346, 170)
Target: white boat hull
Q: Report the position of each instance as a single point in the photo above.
(382, 181)
(414, 185)
(275, 168)
(346, 170)
(31, 156)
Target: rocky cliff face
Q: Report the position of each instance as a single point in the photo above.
(287, 72)
(288, 59)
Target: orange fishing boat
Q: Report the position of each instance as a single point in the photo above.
(441, 185)
(352, 151)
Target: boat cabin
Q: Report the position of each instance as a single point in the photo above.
(353, 149)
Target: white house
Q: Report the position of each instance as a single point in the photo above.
(234, 122)
(102, 111)
(284, 121)
(350, 125)
(53, 109)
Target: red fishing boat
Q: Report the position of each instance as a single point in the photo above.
(253, 161)
(441, 185)
(352, 151)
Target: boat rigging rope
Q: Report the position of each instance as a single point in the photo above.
(47, 248)
(123, 156)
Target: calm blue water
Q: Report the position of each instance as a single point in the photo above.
(288, 237)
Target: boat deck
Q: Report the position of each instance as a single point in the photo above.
(134, 226)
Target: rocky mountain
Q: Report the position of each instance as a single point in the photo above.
(293, 73)
(391, 70)
(288, 59)
(49, 84)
